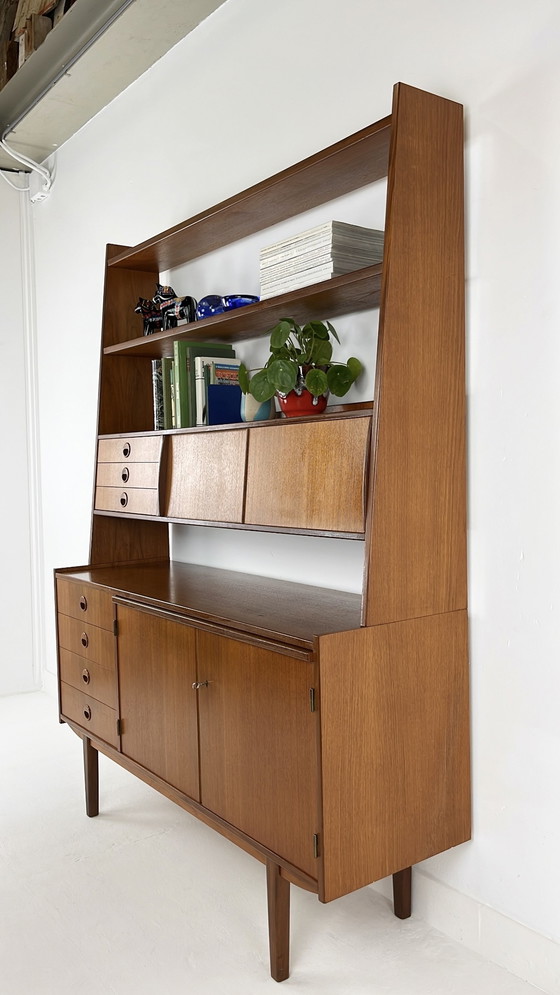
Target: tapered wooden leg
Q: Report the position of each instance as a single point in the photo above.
(278, 890)
(402, 893)
(91, 777)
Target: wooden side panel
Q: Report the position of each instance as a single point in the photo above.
(116, 540)
(258, 745)
(125, 405)
(157, 667)
(308, 475)
(206, 475)
(394, 712)
(417, 544)
(125, 394)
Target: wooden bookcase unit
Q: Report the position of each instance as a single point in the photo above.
(326, 733)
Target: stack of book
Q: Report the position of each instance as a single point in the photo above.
(176, 390)
(318, 254)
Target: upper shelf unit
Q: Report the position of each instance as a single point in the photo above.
(337, 170)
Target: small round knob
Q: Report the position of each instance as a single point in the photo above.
(83, 603)
(124, 499)
(125, 474)
(86, 676)
(126, 450)
(199, 684)
(87, 712)
(84, 639)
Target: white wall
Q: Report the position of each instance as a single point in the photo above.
(16, 619)
(253, 89)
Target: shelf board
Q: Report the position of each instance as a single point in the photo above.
(333, 412)
(347, 165)
(273, 609)
(348, 294)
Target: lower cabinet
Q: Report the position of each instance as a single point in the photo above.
(240, 714)
(337, 761)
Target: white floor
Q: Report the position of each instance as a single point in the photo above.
(144, 899)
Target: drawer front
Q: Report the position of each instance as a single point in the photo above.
(141, 449)
(308, 475)
(97, 680)
(93, 716)
(85, 602)
(127, 475)
(127, 501)
(86, 640)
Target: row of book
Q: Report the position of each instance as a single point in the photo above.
(199, 386)
(318, 254)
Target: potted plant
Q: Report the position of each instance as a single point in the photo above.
(300, 369)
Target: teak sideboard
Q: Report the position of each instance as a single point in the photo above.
(326, 733)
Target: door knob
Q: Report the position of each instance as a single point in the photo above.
(199, 684)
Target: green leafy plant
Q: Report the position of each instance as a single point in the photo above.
(300, 356)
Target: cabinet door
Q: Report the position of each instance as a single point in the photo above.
(308, 475)
(157, 667)
(258, 751)
(206, 473)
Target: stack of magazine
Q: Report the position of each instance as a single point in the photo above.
(318, 254)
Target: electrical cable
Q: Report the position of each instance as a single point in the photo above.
(45, 173)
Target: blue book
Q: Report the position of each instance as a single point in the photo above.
(223, 404)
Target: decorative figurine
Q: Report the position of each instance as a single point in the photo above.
(165, 309)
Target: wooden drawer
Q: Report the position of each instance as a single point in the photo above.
(92, 678)
(128, 475)
(83, 601)
(137, 449)
(308, 475)
(86, 640)
(139, 501)
(206, 476)
(93, 716)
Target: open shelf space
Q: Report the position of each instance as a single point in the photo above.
(348, 165)
(348, 294)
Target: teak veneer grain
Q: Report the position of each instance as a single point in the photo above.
(280, 610)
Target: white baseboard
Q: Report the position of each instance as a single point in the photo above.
(526, 954)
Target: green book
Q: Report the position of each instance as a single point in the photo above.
(167, 387)
(184, 355)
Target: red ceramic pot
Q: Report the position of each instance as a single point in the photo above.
(303, 403)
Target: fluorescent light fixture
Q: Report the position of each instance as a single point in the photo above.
(78, 29)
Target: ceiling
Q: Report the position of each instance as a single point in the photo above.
(96, 50)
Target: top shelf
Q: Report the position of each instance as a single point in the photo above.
(347, 165)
